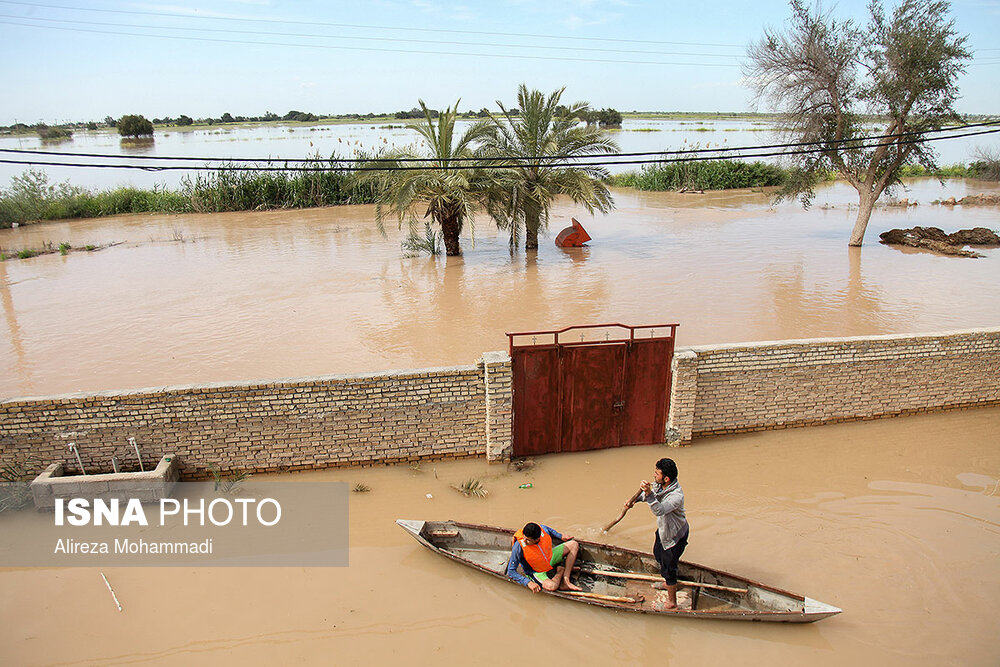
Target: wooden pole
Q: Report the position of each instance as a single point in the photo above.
(652, 577)
(624, 510)
(113, 596)
(608, 598)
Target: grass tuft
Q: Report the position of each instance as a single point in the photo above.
(227, 485)
(429, 244)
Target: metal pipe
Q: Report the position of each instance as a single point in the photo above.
(137, 455)
(76, 451)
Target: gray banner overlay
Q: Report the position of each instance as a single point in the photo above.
(255, 523)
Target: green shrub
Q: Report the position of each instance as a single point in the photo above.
(134, 125)
(949, 171)
(52, 133)
(703, 175)
(986, 166)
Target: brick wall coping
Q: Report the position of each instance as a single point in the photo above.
(248, 384)
(832, 341)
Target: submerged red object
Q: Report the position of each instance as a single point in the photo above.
(572, 237)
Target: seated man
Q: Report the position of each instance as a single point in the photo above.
(541, 562)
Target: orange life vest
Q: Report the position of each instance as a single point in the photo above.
(539, 556)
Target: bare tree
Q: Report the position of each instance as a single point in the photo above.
(825, 74)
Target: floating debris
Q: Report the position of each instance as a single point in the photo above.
(472, 488)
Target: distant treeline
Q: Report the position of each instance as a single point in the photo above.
(604, 117)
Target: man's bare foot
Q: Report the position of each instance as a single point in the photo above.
(567, 586)
(664, 606)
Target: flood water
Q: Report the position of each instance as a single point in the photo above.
(896, 521)
(264, 295)
(349, 140)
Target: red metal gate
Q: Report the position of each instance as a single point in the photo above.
(609, 388)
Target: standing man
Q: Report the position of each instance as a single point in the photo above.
(543, 563)
(666, 500)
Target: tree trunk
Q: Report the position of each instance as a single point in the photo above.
(532, 220)
(867, 203)
(450, 228)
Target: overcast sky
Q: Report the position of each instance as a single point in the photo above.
(70, 61)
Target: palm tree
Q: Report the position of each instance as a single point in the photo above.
(520, 195)
(450, 194)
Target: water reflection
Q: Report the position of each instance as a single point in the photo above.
(576, 255)
(143, 145)
(825, 305)
(445, 309)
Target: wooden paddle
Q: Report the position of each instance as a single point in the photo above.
(625, 510)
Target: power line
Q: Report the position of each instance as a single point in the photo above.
(435, 42)
(368, 27)
(368, 49)
(463, 54)
(686, 151)
(178, 15)
(694, 157)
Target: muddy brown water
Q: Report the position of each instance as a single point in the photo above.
(896, 521)
(246, 296)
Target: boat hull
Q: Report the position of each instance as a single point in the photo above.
(621, 579)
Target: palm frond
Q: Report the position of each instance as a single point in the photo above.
(472, 487)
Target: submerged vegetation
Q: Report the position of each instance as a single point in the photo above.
(730, 174)
(230, 189)
(473, 488)
(227, 484)
(428, 243)
(31, 197)
(703, 175)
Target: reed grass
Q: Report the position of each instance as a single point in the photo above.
(707, 175)
(31, 197)
(232, 190)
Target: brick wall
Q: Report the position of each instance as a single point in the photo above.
(466, 411)
(275, 426)
(751, 387)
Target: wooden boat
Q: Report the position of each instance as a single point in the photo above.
(623, 579)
